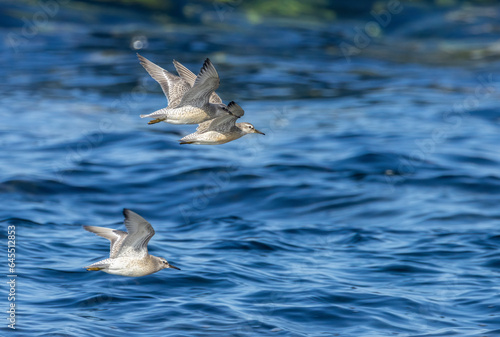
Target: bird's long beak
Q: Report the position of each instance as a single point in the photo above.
(257, 131)
(174, 267)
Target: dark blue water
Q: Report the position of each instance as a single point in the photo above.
(370, 208)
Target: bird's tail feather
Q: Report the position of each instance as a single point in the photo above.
(162, 113)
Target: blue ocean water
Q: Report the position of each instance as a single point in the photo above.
(369, 208)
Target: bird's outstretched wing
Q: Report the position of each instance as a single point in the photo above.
(204, 86)
(222, 123)
(190, 78)
(115, 236)
(185, 73)
(235, 109)
(174, 87)
(139, 233)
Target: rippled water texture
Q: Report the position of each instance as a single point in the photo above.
(370, 208)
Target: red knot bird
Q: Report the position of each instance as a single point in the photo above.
(222, 129)
(192, 99)
(128, 254)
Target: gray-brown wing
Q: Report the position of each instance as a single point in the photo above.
(173, 86)
(235, 109)
(205, 126)
(190, 77)
(220, 124)
(139, 233)
(115, 236)
(204, 86)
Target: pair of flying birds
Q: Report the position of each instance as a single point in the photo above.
(192, 100)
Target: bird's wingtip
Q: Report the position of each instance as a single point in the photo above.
(126, 212)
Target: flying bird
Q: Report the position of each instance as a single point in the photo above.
(222, 129)
(128, 254)
(190, 102)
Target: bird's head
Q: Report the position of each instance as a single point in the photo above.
(164, 263)
(249, 128)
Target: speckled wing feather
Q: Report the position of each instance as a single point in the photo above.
(115, 236)
(190, 77)
(173, 86)
(215, 99)
(139, 233)
(178, 88)
(185, 73)
(205, 84)
(202, 127)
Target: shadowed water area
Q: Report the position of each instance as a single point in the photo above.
(369, 208)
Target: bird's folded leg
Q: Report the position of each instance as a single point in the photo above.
(94, 268)
(154, 121)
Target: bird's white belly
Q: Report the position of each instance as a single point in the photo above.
(132, 268)
(187, 115)
(215, 138)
